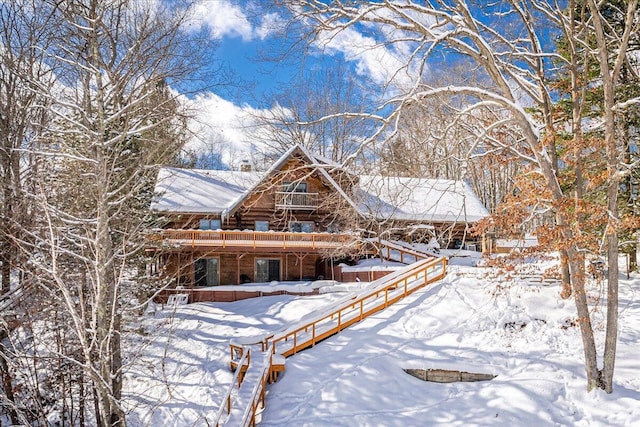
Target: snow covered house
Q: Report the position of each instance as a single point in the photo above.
(290, 222)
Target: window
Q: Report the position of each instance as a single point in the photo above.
(294, 187)
(262, 226)
(267, 269)
(301, 226)
(333, 228)
(210, 224)
(206, 272)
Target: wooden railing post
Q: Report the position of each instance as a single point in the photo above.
(295, 342)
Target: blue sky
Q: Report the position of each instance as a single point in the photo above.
(242, 36)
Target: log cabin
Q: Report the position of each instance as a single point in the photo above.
(293, 221)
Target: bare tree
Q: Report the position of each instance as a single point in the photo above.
(114, 121)
(22, 68)
(22, 113)
(508, 43)
(292, 115)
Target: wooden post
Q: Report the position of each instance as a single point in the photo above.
(295, 342)
(192, 272)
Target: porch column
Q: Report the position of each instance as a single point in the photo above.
(192, 271)
(300, 257)
(238, 258)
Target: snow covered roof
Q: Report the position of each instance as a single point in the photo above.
(419, 199)
(411, 199)
(201, 191)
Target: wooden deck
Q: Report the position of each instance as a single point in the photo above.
(249, 239)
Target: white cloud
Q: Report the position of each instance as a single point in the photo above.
(224, 18)
(372, 59)
(271, 23)
(224, 127)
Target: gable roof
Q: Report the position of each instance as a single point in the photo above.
(398, 198)
(319, 164)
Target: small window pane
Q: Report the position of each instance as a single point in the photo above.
(262, 226)
(294, 187)
(210, 224)
(301, 226)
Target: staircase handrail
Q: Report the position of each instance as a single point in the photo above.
(381, 285)
(258, 392)
(237, 379)
(401, 248)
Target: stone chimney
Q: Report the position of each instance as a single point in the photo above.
(245, 166)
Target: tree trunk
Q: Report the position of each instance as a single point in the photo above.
(7, 380)
(611, 337)
(576, 263)
(565, 291)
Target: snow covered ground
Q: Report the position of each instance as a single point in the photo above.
(475, 320)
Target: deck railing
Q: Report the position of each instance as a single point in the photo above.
(296, 200)
(251, 239)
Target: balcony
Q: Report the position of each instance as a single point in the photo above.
(249, 240)
(297, 200)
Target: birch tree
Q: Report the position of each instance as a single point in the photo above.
(509, 43)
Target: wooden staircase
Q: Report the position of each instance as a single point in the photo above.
(272, 350)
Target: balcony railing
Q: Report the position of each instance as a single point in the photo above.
(250, 239)
(295, 200)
